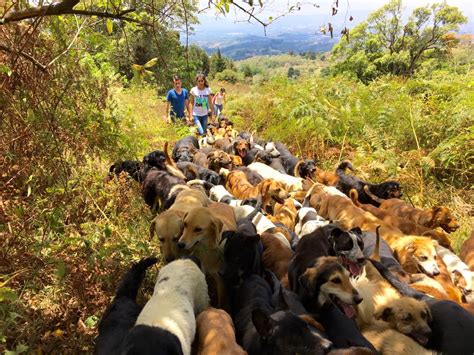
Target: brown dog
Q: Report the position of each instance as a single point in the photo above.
(326, 177)
(223, 143)
(467, 251)
(438, 216)
(202, 233)
(218, 159)
(215, 334)
(276, 255)
(444, 279)
(168, 225)
(285, 214)
(270, 190)
(406, 226)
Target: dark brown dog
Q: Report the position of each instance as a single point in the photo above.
(276, 255)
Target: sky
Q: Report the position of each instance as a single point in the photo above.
(310, 16)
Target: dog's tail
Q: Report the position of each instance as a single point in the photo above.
(372, 196)
(346, 164)
(133, 278)
(354, 195)
(207, 185)
(376, 253)
(171, 166)
(258, 206)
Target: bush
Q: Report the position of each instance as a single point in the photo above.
(230, 76)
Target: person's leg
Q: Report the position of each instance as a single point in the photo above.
(216, 110)
(203, 120)
(197, 122)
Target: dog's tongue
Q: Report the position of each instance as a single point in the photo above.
(354, 268)
(348, 310)
(242, 153)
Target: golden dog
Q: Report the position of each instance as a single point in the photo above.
(216, 334)
(202, 232)
(270, 190)
(168, 225)
(285, 214)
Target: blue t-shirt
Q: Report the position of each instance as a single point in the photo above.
(177, 102)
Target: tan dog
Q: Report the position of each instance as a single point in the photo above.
(270, 190)
(326, 177)
(218, 159)
(202, 232)
(223, 143)
(415, 254)
(467, 252)
(438, 216)
(276, 255)
(406, 226)
(168, 225)
(285, 214)
(236, 160)
(446, 282)
(388, 341)
(216, 334)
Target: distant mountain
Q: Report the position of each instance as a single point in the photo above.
(244, 46)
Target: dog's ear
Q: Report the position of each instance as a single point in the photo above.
(429, 316)
(152, 229)
(217, 225)
(385, 314)
(262, 322)
(357, 230)
(410, 247)
(307, 280)
(436, 210)
(334, 234)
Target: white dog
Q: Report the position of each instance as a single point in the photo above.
(180, 295)
(308, 221)
(267, 172)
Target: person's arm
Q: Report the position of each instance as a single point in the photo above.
(190, 107)
(167, 117)
(211, 105)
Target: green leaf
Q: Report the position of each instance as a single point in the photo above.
(91, 321)
(226, 7)
(107, 231)
(150, 63)
(60, 270)
(5, 70)
(109, 25)
(7, 294)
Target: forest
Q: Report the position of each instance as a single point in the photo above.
(83, 85)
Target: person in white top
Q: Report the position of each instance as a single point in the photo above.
(202, 103)
(219, 101)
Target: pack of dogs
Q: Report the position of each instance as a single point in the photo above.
(266, 253)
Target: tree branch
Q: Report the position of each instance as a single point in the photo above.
(65, 7)
(40, 66)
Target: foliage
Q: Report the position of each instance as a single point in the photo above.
(385, 44)
(293, 73)
(230, 76)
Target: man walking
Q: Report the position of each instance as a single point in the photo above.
(177, 100)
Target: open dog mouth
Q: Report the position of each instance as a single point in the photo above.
(449, 229)
(227, 164)
(420, 338)
(346, 308)
(278, 199)
(353, 267)
(242, 152)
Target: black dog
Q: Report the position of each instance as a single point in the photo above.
(157, 187)
(327, 241)
(194, 171)
(294, 166)
(131, 167)
(385, 190)
(185, 148)
(122, 313)
(261, 329)
(266, 158)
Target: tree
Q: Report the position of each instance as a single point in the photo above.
(385, 44)
(293, 73)
(218, 63)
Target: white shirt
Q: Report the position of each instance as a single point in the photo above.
(201, 101)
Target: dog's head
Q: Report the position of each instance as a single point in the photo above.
(263, 157)
(242, 147)
(328, 281)
(242, 256)
(168, 227)
(286, 333)
(271, 149)
(212, 177)
(348, 247)
(422, 251)
(184, 154)
(390, 189)
(275, 190)
(219, 159)
(307, 168)
(443, 217)
(409, 317)
(236, 160)
(155, 159)
(200, 226)
(465, 282)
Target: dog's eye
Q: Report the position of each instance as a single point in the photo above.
(423, 258)
(336, 280)
(407, 317)
(197, 229)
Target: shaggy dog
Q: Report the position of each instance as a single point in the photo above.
(122, 313)
(416, 254)
(437, 216)
(157, 187)
(385, 190)
(193, 171)
(130, 167)
(216, 334)
(168, 225)
(262, 329)
(180, 294)
(185, 148)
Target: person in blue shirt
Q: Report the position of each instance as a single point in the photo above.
(177, 101)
